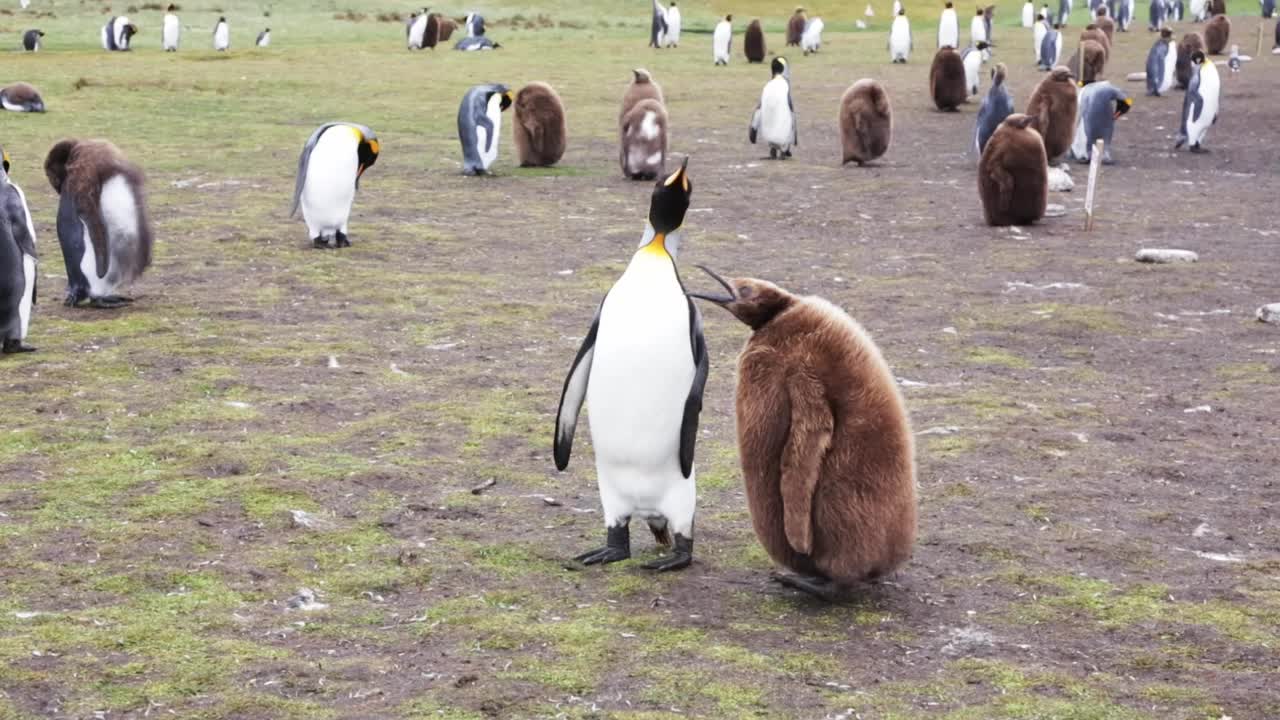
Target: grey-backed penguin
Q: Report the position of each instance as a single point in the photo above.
(1050, 47)
(774, 119)
(866, 122)
(21, 97)
(753, 45)
(473, 43)
(264, 38)
(1156, 13)
(1200, 104)
(480, 125)
(1101, 104)
(474, 24)
(658, 26)
(1162, 63)
(17, 265)
(1216, 34)
(329, 170)
(1013, 175)
(103, 225)
(1053, 103)
(1190, 44)
(31, 40)
(117, 34)
(947, 80)
(1268, 9)
(828, 459)
(539, 127)
(996, 106)
(642, 369)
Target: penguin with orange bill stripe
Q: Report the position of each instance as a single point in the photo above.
(329, 171)
(642, 369)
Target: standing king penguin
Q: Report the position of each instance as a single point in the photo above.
(31, 40)
(264, 38)
(480, 125)
(774, 119)
(972, 59)
(900, 40)
(103, 224)
(642, 369)
(329, 171)
(170, 30)
(722, 41)
(949, 28)
(1037, 35)
(658, 27)
(1028, 13)
(1051, 48)
(1200, 105)
(996, 106)
(221, 35)
(1162, 63)
(673, 25)
(811, 40)
(17, 264)
(415, 30)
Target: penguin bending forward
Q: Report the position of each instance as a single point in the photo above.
(642, 369)
(17, 264)
(31, 40)
(1101, 104)
(480, 124)
(103, 225)
(329, 171)
(539, 131)
(1013, 174)
(866, 122)
(117, 34)
(825, 440)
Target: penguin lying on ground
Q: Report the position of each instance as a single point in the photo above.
(1013, 175)
(1053, 103)
(480, 125)
(1191, 44)
(1200, 105)
(774, 120)
(753, 45)
(996, 106)
(866, 122)
(31, 40)
(947, 80)
(1162, 62)
(825, 441)
(539, 128)
(21, 97)
(471, 44)
(103, 224)
(329, 170)
(642, 369)
(721, 41)
(17, 265)
(170, 30)
(900, 41)
(1101, 104)
(117, 34)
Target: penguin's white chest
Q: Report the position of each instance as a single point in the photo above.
(221, 37)
(418, 31)
(1038, 38)
(978, 30)
(487, 150)
(720, 42)
(900, 38)
(1028, 14)
(673, 26)
(642, 371)
(172, 32)
(948, 29)
(777, 125)
(973, 71)
(330, 185)
(1169, 71)
(1196, 129)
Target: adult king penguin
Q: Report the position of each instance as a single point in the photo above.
(642, 369)
(1200, 105)
(673, 25)
(1101, 104)
(978, 28)
(1028, 13)
(721, 41)
(774, 120)
(1162, 62)
(264, 38)
(949, 28)
(17, 264)
(972, 59)
(479, 125)
(1037, 36)
(996, 106)
(811, 40)
(117, 34)
(1051, 48)
(329, 171)
(900, 40)
(221, 35)
(31, 40)
(103, 224)
(416, 30)
(170, 30)
(658, 27)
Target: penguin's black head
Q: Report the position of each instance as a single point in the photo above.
(506, 96)
(5, 154)
(778, 66)
(728, 18)
(172, 7)
(222, 19)
(1124, 106)
(754, 302)
(367, 151)
(670, 200)
(1197, 58)
(902, 11)
(1165, 33)
(983, 45)
(949, 5)
(130, 30)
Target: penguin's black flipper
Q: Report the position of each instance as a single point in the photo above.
(755, 126)
(573, 395)
(16, 212)
(693, 403)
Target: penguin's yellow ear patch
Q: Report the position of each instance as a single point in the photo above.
(373, 145)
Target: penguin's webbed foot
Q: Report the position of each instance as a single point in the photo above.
(818, 587)
(1199, 150)
(773, 153)
(340, 240)
(13, 346)
(320, 243)
(617, 547)
(109, 302)
(680, 558)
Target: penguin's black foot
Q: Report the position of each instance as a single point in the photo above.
(340, 240)
(786, 154)
(773, 153)
(109, 302)
(680, 558)
(320, 243)
(1197, 149)
(818, 587)
(617, 547)
(13, 346)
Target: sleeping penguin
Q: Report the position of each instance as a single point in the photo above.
(103, 225)
(117, 33)
(471, 44)
(329, 171)
(479, 124)
(17, 264)
(1100, 104)
(21, 97)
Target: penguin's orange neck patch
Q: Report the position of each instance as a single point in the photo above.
(657, 246)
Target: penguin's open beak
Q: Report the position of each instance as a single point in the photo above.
(681, 176)
(721, 300)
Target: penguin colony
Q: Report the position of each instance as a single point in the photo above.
(644, 363)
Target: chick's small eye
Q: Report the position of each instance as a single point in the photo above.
(744, 291)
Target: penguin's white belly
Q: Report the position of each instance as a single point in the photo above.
(330, 185)
(1170, 69)
(221, 38)
(972, 70)
(900, 39)
(1038, 39)
(720, 42)
(418, 31)
(1028, 15)
(673, 27)
(98, 286)
(777, 126)
(1197, 129)
(948, 30)
(11, 107)
(265, 40)
(172, 32)
(494, 113)
(28, 293)
(977, 31)
(107, 30)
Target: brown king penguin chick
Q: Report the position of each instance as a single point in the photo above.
(795, 27)
(825, 441)
(642, 87)
(1217, 7)
(1013, 174)
(1095, 61)
(540, 130)
(866, 122)
(1053, 104)
(21, 97)
(1190, 43)
(1106, 24)
(103, 224)
(1216, 34)
(643, 151)
(947, 80)
(1094, 33)
(447, 26)
(431, 36)
(753, 43)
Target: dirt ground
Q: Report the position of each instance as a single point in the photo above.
(1097, 439)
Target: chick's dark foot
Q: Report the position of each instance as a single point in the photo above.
(818, 587)
(681, 556)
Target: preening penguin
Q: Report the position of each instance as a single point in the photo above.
(1051, 47)
(866, 122)
(1053, 105)
(17, 265)
(1162, 62)
(103, 225)
(811, 40)
(774, 120)
(658, 27)
(1101, 104)
(329, 170)
(31, 40)
(722, 40)
(221, 35)
(753, 42)
(1191, 44)
(170, 30)
(946, 80)
(972, 60)
(949, 28)
(824, 438)
(480, 124)
(21, 97)
(795, 27)
(642, 369)
(900, 40)
(1216, 34)
(1200, 105)
(539, 131)
(996, 106)
(1013, 175)
(264, 38)
(117, 34)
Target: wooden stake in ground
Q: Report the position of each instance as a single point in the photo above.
(1258, 54)
(1095, 162)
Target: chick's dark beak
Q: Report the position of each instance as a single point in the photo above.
(721, 300)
